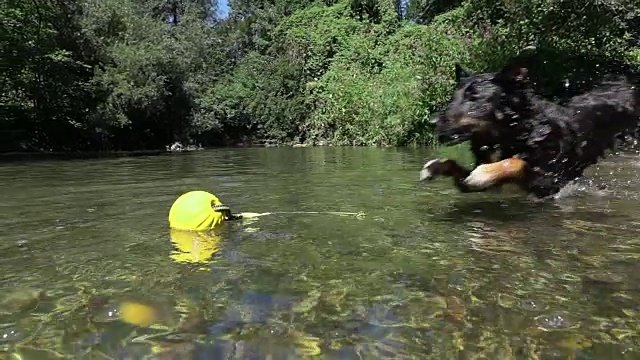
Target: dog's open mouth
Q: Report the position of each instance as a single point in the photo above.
(453, 137)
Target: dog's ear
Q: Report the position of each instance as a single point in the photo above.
(512, 73)
(517, 70)
(462, 72)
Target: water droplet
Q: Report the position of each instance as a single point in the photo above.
(531, 305)
(10, 335)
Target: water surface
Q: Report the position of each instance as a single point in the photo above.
(428, 273)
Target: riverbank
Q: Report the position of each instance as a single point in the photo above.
(172, 149)
(13, 156)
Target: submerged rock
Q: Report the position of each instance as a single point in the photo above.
(19, 300)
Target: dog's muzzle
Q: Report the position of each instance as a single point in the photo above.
(446, 135)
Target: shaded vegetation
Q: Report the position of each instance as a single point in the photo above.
(141, 74)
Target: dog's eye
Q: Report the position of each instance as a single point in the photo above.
(471, 93)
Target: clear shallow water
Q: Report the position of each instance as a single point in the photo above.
(428, 273)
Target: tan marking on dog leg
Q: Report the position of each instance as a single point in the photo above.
(498, 173)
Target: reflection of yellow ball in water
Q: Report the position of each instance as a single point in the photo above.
(138, 314)
(194, 247)
(194, 211)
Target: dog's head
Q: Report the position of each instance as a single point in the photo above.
(480, 105)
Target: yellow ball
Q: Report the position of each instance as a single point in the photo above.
(194, 211)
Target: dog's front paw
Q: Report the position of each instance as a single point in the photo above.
(433, 169)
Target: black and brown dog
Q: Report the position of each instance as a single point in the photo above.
(543, 145)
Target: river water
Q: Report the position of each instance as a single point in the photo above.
(424, 272)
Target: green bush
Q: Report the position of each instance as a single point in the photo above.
(387, 96)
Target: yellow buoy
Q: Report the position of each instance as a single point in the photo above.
(194, 211)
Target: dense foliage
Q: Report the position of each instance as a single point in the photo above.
(140, 74)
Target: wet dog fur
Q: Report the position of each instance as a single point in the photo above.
(542, 145)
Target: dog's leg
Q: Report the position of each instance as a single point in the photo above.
(447, 168)
(483, 177)
(482, 153)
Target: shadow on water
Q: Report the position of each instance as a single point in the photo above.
(509, 210)
(90, 270)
